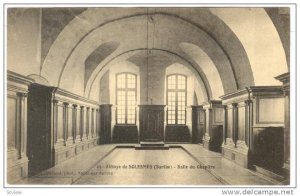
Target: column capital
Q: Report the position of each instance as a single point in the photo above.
(248, 101)
(22, 94)
(234, 104)
(66, 103)
(286, 90)
(75, 105)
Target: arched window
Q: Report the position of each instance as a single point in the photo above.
(176, 99)
(126, 98)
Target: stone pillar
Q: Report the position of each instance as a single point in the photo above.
(206, 137)
(22, 125)
(93, 123)
(287, 130)
(249, 124)
(204, 126)
(74, 124)
(87, 120)
(225, 125)
(241, 126)
(97, 125)
(60, 124)
(54, 119)
(234, 123)
(77, 129)
(70, 138)
(82, 123)
(66, 125)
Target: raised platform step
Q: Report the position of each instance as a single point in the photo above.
(140, 147)
(155, 146)
(152, 143)
(276, 178)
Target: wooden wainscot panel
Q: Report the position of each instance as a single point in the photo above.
(83, 139)
(251, 120)
(125, 134)
(285, 79)
(17, 160)
(268, 127)
(40, 128)
(235, 146)
(213, 137)
(105, 123)
(56, 126)
(198, 118)
(269, 110)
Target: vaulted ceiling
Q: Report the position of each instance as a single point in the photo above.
(228, 48)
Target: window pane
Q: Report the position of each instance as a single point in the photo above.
(121, 114)
(121, 81)
(172, 82)
(181, 122)
(176, 99)
(126, 98)
(181, 80)
(131, 81)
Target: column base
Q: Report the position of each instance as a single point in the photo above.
(77, 139)
(17, 170)
(60, 142)
(286, 171)
(92, 142)
(85, 144)
(84, 138)
(63, 153)
(79, 147)
(211, 144)
(206, 143)
(69, 141)
(238, 154)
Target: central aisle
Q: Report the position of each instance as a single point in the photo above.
(127, 166)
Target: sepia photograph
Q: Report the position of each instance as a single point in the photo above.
(148, 96)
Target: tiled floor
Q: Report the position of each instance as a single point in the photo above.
(89, 168)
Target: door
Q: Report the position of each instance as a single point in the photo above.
(151, 123)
